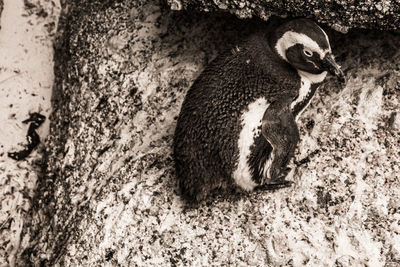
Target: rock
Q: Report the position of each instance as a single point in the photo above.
(26, 80)
(338, 14)
(109, 193)
(394, 121)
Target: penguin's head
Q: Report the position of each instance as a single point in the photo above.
(305, 46)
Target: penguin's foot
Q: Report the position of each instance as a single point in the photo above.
(275, 186)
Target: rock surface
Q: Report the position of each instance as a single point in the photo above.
(26, 81)
(108, 195)
(340, 15)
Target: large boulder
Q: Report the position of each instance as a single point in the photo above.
(108, 196)
(340, 15)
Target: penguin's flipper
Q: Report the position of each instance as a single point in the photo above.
(280, 129)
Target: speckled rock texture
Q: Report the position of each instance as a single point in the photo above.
(26, 79)
(339, 14)
(108, 197)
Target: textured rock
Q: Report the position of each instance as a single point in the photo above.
(340, 15)
(26, 78)
(108, 196)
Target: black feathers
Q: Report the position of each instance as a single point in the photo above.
(208, 127)
(237, 122)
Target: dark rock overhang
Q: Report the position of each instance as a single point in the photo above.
(340, 15)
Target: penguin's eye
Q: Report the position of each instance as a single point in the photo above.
(307, 52)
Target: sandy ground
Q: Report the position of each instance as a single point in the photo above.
(26, 81)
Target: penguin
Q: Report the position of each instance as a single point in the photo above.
(237, 124)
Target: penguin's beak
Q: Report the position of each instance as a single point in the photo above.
(329, 64)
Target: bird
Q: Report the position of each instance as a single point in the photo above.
(237, 123)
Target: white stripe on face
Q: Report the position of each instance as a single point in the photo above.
(291, 38)
(307, 79)
(327, 39)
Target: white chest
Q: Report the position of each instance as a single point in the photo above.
(251, 120)
(306, 80)
(305, 89)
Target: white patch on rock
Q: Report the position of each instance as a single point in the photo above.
(26, 79)
(70, 151)
(251, 121)
(291, 38)
(176, 5)
(396, 121)
(26, 75)
(167, 222)
(370, 106)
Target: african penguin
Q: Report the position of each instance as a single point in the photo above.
(237, 123)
